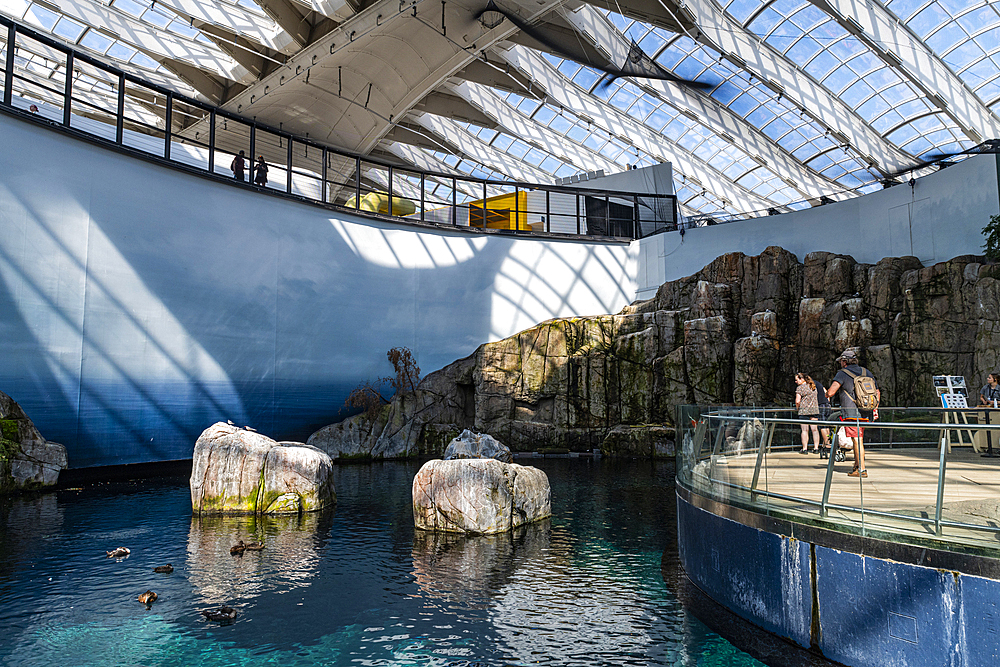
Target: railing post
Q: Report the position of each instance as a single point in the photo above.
(357, 182)
(390, 190)
(8, 81)
(253, 149)
(323, 176)
(423, 205)
(454, 202)
(636, 225)
(68, 90)
(823, 511)
(607, 216)
(211, 141)
(577, 214)
(120, 118)
(288, 179)
(484, 204)
(940, 488)
(769, 432)
(517, 212)
(167, 124)
(548, 213)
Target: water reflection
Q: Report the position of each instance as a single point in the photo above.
(290, 558)
(467, 571)
(32, 523)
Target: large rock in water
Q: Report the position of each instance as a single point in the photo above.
(470, 445)
(480, 496)
(236, 471)
(27, 460)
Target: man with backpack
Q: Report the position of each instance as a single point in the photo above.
(859, 397)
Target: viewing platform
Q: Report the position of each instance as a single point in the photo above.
(899, 568)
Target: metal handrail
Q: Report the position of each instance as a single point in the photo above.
(760, 415)
(215, 115)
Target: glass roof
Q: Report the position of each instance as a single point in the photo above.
(886, 100)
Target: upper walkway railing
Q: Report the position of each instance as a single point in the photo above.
(927, 482)
(47, 81)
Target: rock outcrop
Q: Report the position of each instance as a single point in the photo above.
(735, 332)
(236, 471)
(469, 445)
(27, 460)
(478, 496)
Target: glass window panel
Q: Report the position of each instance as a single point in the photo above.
(857, 94)
(841, 78)
(822, 65)
(560, 124)
(808, 17)
(956, 7)
(918, 146)
(130, 7)
(578, 133)
(902, 135)
(528, 106)
(569, 68)
(726, 93)
(534, 156)
(121, 51)
(765, 23)
(657, 120)
(518, 148)
(820, 162)
(68, 29)
(783, 36)
(142, 60)
(38, 15)
(898, 94)
(873, 108)
(889, 120)
(847, 48)
(743, 105)
(834, 172)
(156, 18)
(642, 108)
(623, 98)
(689, 141)
(670, 57)
(882, 78)
(989, 92)
(904, 9)
(550, 164)
(544, 115)
(486, 134)
(564, 171)
(675, 129)
(652, 42)
(912, 108)
(945, 38)
(964, 55)
(927, 20)
(594, 142)
(586, 78)
(95, 41)
(804, 49)
(975, 21)
(749, 180)
(742, 9)
(760, 116)
(618, 20)
(503, 141)
(689, 68)
(776, 128)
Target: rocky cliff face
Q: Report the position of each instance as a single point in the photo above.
(27, 460)
(737, 331)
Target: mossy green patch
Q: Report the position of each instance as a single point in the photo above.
(10, 430)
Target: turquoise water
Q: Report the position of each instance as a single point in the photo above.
(353, 586)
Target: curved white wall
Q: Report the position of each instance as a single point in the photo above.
(940, 217)
(139, 304)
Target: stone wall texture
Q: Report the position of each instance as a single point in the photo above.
(735, 332)
(27, 460)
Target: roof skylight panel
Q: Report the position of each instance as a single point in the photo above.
(69, 29)
(742, 10)
(41, 17)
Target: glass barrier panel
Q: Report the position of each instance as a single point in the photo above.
(231, 138)
(564, 209)
(144, 119)
(341, 184)
(39, 78)
(95, 101)
(438, 206)
(969, 509)
(534, 213)
(468, 202)
(406, 193)
(3, 59)
(307, 170)
(374, 189)
(274, 149)
(189, 135)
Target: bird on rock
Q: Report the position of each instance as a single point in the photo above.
(238, 549)
(250, 428)
(221, 614)
(120, 552)
(147, 598)
(164, 569)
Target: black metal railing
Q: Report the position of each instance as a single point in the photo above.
(70, 90)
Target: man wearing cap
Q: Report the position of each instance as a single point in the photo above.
(843, 382)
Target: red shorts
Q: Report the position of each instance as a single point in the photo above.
(854, 431)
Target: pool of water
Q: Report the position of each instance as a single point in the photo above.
(597, 584)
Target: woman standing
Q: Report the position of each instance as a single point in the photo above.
(807, 403)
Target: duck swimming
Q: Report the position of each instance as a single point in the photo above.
(164, 569)
(221, 614)
(147, 598)
(238, 549)
(255, 546)
(120, 552)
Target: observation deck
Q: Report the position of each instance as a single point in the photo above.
(899, 568)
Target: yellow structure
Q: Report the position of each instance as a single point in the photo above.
(378, 202)
(509, 211)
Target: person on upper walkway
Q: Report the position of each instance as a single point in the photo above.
(239, 166)
(844, 384)
(989, 396)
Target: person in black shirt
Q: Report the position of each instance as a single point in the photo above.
(843, 383)
(989, 396)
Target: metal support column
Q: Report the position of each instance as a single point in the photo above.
(322, 195)
(548, 212)
(423, 185)
(357, 182)
(389, 190)
(8, 80)
(167, 125)
(942, 464)
(211, 141)
(288, 183)
(120, 118)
